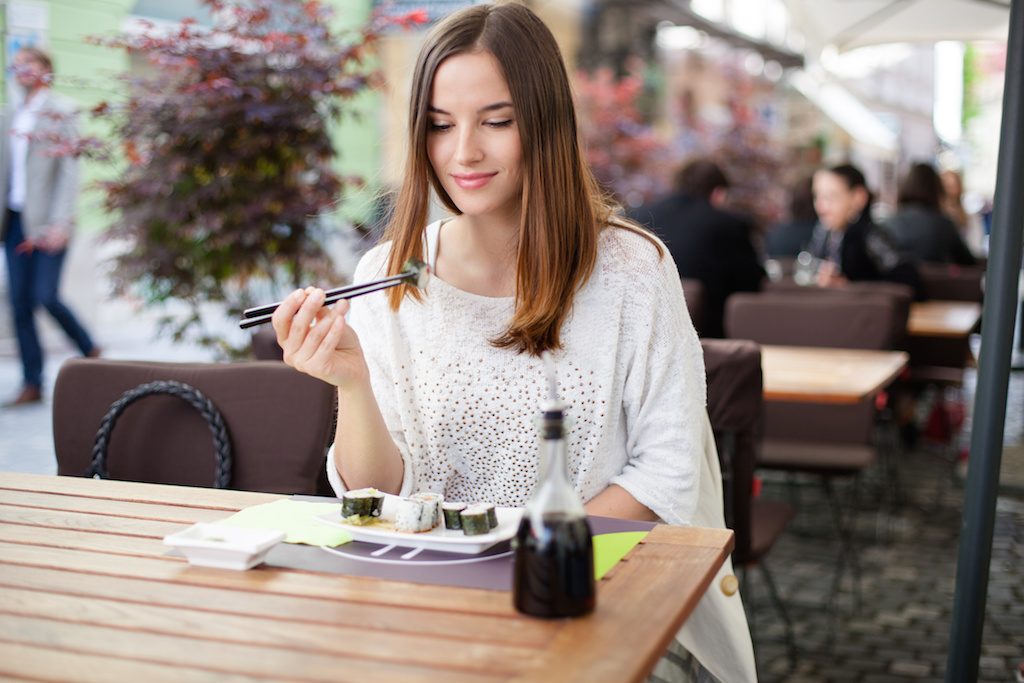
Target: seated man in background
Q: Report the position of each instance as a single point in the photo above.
(706, 242)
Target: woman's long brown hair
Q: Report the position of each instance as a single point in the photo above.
(564, 209)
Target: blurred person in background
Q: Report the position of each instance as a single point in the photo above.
(921, 231)
(788, 239)
(970, 225)
(848, 243)
(39, 190)
(707, 242)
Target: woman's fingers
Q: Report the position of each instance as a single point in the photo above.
(282, 318)
(333, 330)
(314, 339)
(304, 317)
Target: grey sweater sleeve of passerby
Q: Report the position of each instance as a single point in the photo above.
(65, 191)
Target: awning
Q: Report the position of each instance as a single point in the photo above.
(848, 112)
(849, 24)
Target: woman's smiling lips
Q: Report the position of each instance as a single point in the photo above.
(472, 181)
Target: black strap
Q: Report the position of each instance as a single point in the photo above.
(206, 408)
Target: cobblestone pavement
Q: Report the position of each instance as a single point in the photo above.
(900, 629)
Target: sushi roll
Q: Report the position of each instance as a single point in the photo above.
(451, 515)
(431, 508)
(474, 520)
(492, 516)
(362, 503)
(409, 515)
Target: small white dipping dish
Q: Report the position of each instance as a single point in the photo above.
(225, 547)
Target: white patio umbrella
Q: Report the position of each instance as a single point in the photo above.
(849, 24)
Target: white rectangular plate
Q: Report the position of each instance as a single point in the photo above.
(227, 547)
(441, 539)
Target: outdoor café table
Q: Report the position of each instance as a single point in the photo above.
(89, 593)
(943, 318)
(822, 375)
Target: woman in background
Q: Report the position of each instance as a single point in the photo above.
(921, 231)
(849, 244)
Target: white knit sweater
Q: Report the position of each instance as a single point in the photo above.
(462, 411)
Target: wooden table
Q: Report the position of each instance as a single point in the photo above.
(943, 318)
(820, 375)
(88, 593)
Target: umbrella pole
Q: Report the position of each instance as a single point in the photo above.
(993, 372)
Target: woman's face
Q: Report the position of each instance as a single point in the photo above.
(473, 137)
(835, 202)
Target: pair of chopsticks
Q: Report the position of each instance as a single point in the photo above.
(414, 271)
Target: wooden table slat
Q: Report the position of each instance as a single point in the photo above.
(471, 627)
(180, 515)
(216, 657)
(47, 663)
(58, 520)
(195, 622)
(184, 496)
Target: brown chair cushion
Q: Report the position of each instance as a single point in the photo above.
(816, 457)
(279, 422)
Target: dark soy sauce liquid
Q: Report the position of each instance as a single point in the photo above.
(554, 567)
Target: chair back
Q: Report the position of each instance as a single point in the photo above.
(948, 282)
(279, 423)
(735, 408)
(693, 292)
(830, 320)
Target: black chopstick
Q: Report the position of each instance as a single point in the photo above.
(334, 295)
(270, 308)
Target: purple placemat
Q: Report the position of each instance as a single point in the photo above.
(490, 570)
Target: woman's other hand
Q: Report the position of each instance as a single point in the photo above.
(316, 339)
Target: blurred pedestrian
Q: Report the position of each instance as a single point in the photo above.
(40, 188)
(707, 242)
(851, 247)
(921, 231)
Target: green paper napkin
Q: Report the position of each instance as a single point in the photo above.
(293, 517)
(610, 548)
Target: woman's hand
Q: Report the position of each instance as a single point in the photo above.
(317, 341)
(830, 276)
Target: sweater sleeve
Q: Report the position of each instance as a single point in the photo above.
(664, 397)
(363, 316)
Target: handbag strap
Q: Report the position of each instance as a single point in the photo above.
(188, 393)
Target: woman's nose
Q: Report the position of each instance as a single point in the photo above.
(469, 149)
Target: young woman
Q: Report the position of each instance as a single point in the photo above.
(438, 389)
(921, 230)
(849, 243)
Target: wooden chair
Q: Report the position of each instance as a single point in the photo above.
(277, 423)
(735, 408)
(827, 441)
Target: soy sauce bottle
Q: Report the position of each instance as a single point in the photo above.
(554, 553)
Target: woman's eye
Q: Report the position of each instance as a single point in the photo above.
(439, 126)
(502, 123)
